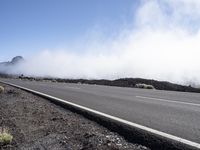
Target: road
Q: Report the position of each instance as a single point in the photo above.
(175, 113)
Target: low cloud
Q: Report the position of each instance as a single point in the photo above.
(162, 43)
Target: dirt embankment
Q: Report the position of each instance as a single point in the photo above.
(35, 123)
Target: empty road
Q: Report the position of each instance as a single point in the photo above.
(175, 113)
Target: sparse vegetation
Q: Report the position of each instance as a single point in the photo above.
(1, 89)
(5, 136)
(144, 86)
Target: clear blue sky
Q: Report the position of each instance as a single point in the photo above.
(29, 26)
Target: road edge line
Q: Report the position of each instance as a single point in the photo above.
(160, 139)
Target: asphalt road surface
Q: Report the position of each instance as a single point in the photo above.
(175, 113)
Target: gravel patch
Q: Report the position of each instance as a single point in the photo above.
(36, 123)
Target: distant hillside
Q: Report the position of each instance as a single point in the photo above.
(14, 61)
(125, 82)
(6, 67)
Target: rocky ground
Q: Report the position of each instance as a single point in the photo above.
(36, 123)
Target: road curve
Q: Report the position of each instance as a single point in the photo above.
(175, 113)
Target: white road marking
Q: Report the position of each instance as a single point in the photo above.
(171, 101)
(70, 87)
(135, 125)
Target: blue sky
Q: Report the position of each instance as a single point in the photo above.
(29, 26)
(103, 39)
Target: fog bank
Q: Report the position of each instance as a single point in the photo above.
(162, 43)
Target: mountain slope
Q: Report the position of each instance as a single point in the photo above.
(6, 67)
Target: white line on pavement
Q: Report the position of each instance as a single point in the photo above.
(163, 134)
(166, 100)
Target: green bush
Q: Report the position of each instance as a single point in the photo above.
(5, 137)
(144, 86)
(1, 89)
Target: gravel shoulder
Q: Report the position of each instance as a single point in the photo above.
(36, 123)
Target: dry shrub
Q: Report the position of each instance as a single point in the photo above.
(5, 136)
(1, 89)
(144, 86)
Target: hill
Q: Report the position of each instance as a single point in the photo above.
(125, 82)
(6, 67)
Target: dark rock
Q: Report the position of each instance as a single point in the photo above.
(17, 59)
